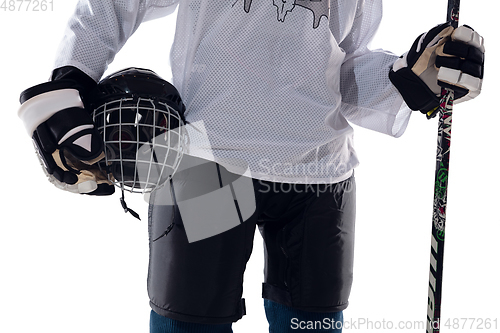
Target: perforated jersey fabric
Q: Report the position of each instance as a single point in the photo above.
(273, 83)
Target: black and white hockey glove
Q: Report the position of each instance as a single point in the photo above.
(65, 138)
(443, 57)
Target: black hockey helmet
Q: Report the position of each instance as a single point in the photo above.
(140, 117)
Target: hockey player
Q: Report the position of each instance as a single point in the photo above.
(274, 84)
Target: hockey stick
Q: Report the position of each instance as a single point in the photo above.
(440, 196)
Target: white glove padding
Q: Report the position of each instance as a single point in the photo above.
(65, 138)
(461, 64)
(444, 57)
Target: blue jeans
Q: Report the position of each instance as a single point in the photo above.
(281, 318)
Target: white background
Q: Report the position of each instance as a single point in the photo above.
(71, 263)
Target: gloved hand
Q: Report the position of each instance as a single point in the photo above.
(444, 57)
(65, 138)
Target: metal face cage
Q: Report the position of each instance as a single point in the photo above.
(143, 142)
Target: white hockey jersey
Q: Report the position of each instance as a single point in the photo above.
(273, 82)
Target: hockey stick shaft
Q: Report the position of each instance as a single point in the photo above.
(440, 196)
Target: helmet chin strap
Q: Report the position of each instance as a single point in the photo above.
(125, 207)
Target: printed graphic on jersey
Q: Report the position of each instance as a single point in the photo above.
(319, 8)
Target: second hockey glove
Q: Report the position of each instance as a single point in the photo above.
(65, 138)
(444, 57)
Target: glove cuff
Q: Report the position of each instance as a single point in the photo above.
(42, 101)
(416, 94)
(85, 83)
